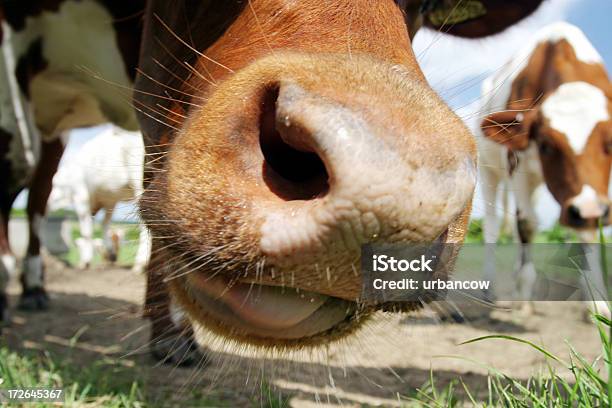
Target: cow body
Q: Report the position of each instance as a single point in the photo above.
(280, 136)
(52, 54)
(554, 128)
(106, 170)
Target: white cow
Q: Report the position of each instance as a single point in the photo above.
(549, 122)
(106, 170)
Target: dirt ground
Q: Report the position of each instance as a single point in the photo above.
(95, 316)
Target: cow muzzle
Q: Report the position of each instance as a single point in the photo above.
(342, 184)
(288, 169)
(587, 210)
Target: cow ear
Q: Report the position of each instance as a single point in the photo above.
(508, 128)
(475, 18)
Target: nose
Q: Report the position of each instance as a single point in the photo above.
(587, 209)
(344, 181)
(292, 169)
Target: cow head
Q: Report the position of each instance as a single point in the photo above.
(572, 131)
(294, 133)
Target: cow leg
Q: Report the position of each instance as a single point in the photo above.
(490, 182)
(526, 274)
(172, 337)
(34, 296)
(526, 222)
(83, 208)
(144, 249)
(110, 247)
(144, 238)
(7, 260)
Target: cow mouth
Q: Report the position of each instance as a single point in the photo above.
(264, 314)
(269, 315)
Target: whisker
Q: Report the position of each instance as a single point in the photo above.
(189, 46)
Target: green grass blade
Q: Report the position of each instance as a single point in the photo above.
(517, 340)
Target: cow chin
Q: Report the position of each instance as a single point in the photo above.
(267, 308)
(290, 304)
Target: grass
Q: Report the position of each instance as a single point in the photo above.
(590, 384)
(61, 213)
(107, 384)
(587, 388)
(102, 384)
(556, 234)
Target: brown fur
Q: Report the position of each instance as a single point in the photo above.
(204, 192)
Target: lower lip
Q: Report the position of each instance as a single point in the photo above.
(267, 307)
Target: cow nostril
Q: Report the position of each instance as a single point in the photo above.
(289, 172)
(574, 216)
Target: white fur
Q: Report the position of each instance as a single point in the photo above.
(106, 170)
(9, 262)
(587, 193)
(587, 203)
(144, 250)
(68, 93)
(177, 314)
(574, 109)
(7, 270)
(85, 248)
(561, 30)
(32, 272)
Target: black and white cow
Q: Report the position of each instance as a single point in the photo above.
(51, 54)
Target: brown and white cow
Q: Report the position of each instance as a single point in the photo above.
(553, 125)
(280, 137)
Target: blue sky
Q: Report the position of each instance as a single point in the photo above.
(456, 68)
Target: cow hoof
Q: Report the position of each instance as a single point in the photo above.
(34, 299)
(180, 350)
